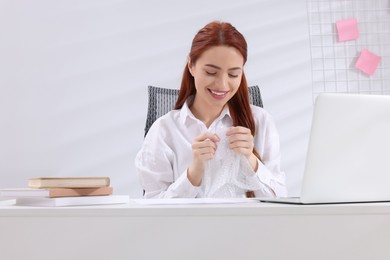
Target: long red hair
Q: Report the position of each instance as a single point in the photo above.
(216, 34)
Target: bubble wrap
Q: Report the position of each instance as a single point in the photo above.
(228, 174)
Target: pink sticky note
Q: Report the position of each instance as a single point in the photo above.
(347, 30)
(367, 62)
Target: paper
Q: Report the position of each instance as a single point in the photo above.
(347, 30)
(180, 201)
(368, 62)
(72, 201)
(7, 202)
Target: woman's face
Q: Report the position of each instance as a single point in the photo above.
(217, 74)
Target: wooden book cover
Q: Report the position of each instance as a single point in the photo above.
(55, 192)
(69, 182)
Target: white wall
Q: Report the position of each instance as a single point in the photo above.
(73, 78)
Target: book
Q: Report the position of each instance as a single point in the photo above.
(69, 182)
(71, 201)
(55, 192)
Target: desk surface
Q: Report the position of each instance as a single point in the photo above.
(212, 231)
(7, 209)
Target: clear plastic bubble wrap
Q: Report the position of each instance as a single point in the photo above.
(228, 174)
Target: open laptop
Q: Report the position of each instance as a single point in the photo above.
(348, 158)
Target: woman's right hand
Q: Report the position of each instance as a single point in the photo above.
(203, 149)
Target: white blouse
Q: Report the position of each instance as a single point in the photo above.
(166, 154)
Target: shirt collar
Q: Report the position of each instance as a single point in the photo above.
(185, 112)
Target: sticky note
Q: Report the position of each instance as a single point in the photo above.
(347, 30)
(368, 62)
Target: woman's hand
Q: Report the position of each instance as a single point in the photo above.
(203, 149)
(241, 141)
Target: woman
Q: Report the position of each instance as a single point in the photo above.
(214, 144)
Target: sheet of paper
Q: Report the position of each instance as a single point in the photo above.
(7, 202)
(193, 201)
(347, 30)
(368, 62)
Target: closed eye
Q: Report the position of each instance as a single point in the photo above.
(233, 76)
(211, 73)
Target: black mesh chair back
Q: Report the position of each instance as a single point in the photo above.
(163, 100)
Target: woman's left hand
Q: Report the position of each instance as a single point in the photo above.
(241, 141)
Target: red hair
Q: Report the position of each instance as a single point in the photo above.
(217, 34)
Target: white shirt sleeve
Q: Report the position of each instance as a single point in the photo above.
(269, 173)
(155, 167)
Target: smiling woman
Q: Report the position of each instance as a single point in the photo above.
(217, 74)
(214, 144)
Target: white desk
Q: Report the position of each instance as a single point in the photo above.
(244, 231)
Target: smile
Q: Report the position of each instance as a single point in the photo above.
(218, 94)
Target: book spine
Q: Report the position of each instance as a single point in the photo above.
(69, 182)
(69, 192)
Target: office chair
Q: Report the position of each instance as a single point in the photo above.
(163, 100)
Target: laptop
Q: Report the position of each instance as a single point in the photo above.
(348, 158)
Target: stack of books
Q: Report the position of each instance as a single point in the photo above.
(65, 191)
